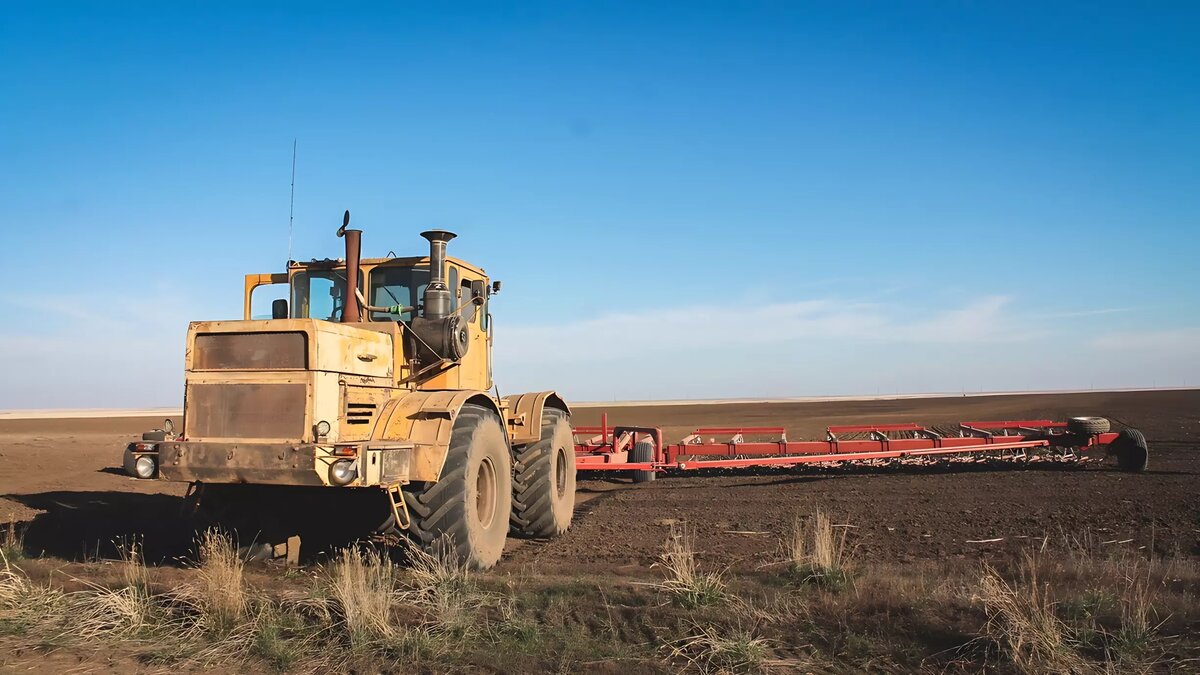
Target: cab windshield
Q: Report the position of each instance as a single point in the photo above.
(318, 294)
(321, 294)
(396, 286)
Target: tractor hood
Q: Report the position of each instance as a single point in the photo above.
(291, 344)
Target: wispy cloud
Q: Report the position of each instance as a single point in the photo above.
(99, 350)
(725, 326)
(94, 350)
(1075, 314)
(1179, 341)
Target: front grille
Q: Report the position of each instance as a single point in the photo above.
(246, 410)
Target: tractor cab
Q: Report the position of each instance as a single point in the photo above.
(390, 290)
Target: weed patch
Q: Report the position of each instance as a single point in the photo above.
(685, 582)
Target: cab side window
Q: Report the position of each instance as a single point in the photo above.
(464, 293)
(262, 297)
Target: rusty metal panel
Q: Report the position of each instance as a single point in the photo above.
(268, 463)
(250, 351)
(246, 410)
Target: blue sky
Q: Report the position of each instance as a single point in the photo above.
(683, 199)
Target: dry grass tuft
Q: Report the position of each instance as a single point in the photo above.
(127, 611)
(220, 590)
(710, 650)
(12, 543)
(1022, 620)
(440, 583)
(363, 586)
(23, 603)
(1132, 642)
(819, 555)
(685, 581)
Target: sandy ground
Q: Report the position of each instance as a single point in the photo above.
(63, 478)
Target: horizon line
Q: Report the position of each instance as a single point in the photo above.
(88, 413)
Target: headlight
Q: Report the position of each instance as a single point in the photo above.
(323, 428)
(145, 466)
(342, 472)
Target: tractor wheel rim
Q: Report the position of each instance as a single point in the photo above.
(485, 493)
(560, 471)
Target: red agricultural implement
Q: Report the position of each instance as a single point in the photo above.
(643, 452)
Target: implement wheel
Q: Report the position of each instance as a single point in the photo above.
(467, 509)
(543, 491)
(1131, 450)
(643, 451)
(1088, 425)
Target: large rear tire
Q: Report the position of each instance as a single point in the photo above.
(467, 509)
(543, 496)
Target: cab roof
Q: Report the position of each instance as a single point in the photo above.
(410, 261)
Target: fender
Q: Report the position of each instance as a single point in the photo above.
(425, 419)
(524, 418)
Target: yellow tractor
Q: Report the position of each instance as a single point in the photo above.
(364, 408)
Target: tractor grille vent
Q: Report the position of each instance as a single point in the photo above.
(361, 407)
(245, 410)
(360, 413)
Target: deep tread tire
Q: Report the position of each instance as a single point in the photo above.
(1131, 450)
(543, 494)
(643, 451)
(451, 512)
(1088, 425)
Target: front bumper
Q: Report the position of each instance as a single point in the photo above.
(281, 463)
(261, 463)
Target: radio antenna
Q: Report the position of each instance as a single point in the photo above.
(292, 201)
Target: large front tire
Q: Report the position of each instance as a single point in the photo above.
(543, 496)
(467, 509)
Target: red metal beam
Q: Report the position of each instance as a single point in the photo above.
(853, 456)
(609, 450)
(724, 431)
(864, 428)
(1014, 424)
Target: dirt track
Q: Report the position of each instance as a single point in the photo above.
(63, 477)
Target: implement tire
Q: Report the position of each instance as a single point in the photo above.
(1131, 450)
(543, 490)
(466, 510)
(1088, 425)
(643, 451)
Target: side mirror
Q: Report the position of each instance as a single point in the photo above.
(478, 291)
(279, 309)
(495, 287)
(169, 427)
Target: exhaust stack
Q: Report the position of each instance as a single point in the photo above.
(351, 313)
(437, 294)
